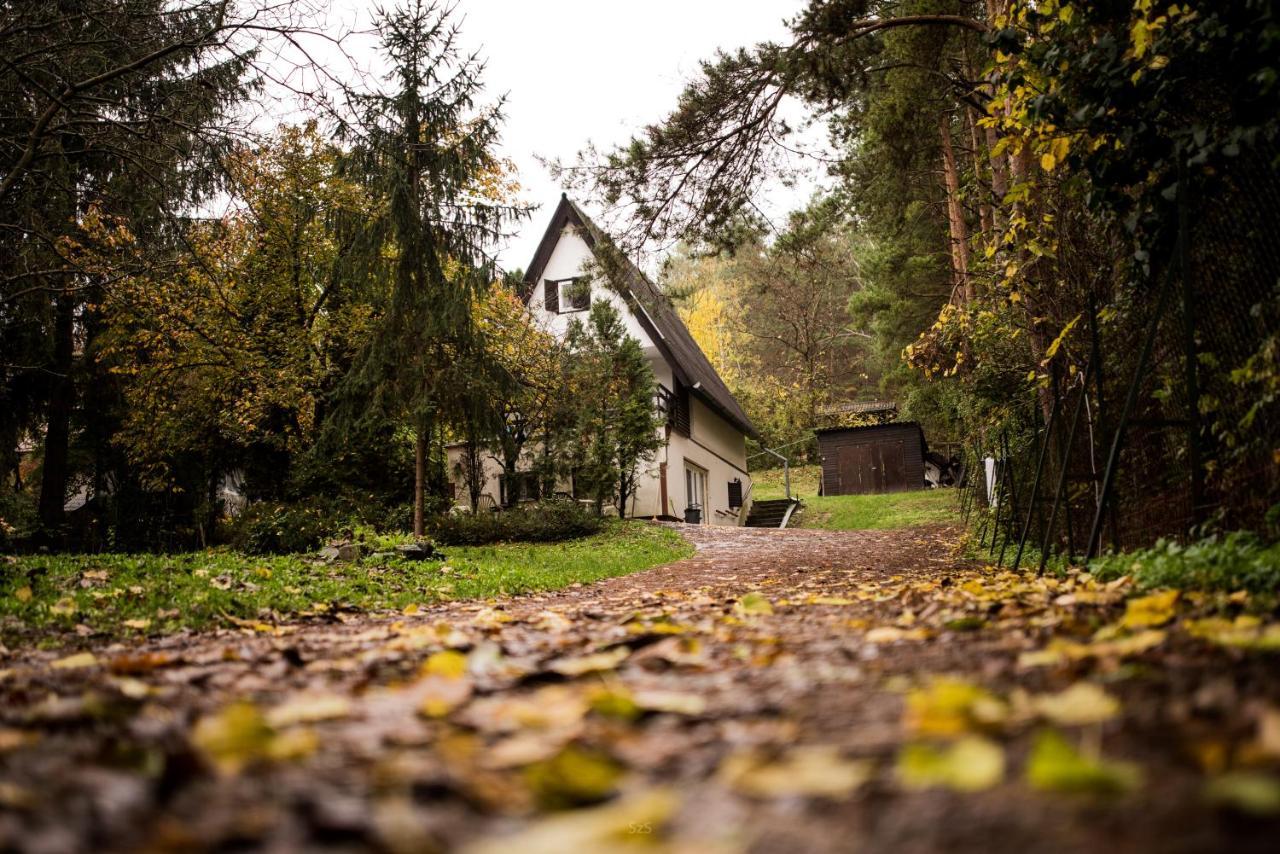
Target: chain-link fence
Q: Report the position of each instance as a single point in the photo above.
(1165, 420)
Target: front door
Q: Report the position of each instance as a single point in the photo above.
(695, 490)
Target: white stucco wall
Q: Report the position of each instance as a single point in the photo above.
(717, 447)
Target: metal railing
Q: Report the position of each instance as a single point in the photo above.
(786, 464)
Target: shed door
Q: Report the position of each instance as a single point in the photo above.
(891, 474)
(856, 469)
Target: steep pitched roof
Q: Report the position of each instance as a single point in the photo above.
(654, 312)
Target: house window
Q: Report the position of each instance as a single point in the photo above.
(562, 296)
(522, 486)
(735, 494)
(678, 410)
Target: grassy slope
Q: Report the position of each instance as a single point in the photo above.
(164, 593)
(854, 512)
(894, 510)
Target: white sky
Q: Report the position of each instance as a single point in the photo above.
(579, 71)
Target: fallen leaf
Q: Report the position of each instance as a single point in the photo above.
(951, 707)
(12, 739)
(969, 765)
(1082, 703)
(232, 737)
(1055, 765)
(63, 607)
(808, 771)
(581, 665)
(892, 634)
(448, 663)
(439, 695)
(309, 708)
(77, 661)
(137, 624)
(626, 825)
(614, 702)
(671, 702)
(573, 777)
(753, 604)
(1269, 731)
(23, 594)
(143, 662)
(1248, 792)
(1149, 611)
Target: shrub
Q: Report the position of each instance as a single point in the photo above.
(550, 521)
(275, 528)
(1239, 561)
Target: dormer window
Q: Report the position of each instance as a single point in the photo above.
(563, 296)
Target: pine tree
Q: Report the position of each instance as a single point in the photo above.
(616, 426)
(427, 150)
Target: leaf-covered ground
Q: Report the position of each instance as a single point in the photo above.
(779, 691)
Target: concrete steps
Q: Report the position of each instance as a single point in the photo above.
(773, 513)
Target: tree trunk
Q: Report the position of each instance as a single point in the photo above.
(419, 479)
(985, 217)
(955, 215)
(57, 437)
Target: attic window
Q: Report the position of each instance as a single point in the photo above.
(567, 295)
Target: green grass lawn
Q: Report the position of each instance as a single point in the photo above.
(854, 512)
(768, 483)
(893, 510)
(119, 595)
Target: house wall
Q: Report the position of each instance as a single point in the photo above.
(720, 449)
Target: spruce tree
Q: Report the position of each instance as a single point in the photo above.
(425, 147)
(616, 426)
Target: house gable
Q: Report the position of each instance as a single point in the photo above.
(571, 239)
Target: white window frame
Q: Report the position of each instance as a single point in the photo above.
(562, 302)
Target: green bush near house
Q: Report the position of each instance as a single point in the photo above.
(548, 522)
(47, 598)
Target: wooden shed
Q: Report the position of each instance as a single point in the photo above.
(876, 458)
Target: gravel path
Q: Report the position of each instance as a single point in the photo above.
(750, 697)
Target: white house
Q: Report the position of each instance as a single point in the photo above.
(702, 464)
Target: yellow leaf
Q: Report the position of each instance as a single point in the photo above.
(810, 771)
(1082, 703)
(951, 707)
(77, 661)
(969, 765)
(1248, 792)
(1153, 610)
(581, 665)
(309, 708)
(232, 737)
(448, 663)
(1057, 766)
(753, 603)
(573, 777)
(23, 594)
(137, 624)
(1048, 161)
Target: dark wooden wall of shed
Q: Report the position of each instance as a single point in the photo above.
(910, 435)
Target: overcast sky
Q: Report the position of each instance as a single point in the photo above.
(579, 71)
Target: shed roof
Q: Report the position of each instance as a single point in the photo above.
(869, 427)
(655, 314)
